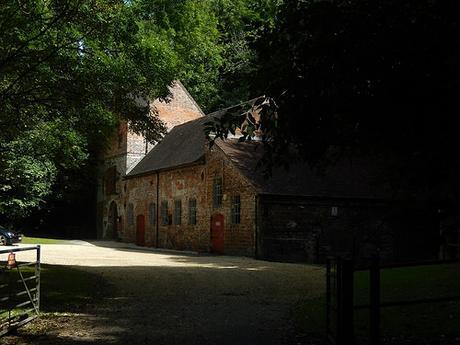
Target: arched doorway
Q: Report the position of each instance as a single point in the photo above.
(112, 231)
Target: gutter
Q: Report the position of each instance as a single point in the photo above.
(157, 211)
(199, 161)
(256, 232)
(324, 197)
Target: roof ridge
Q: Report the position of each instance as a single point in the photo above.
(185, 123)
(234, 106)
(177, 147)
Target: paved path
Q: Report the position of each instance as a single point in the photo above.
(175, 298)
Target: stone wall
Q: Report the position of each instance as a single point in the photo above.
(137, 148)
(310, 229)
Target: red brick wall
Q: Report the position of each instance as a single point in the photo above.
(184, 184)
(140, 192)
(125, 149)
(239, 238)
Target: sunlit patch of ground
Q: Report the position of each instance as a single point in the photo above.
(116, 293)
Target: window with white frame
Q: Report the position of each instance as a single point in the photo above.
(236, 209)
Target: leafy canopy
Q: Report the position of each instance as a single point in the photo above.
(69, 70)
(378, 78)
(213, 40)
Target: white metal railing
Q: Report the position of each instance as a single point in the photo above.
(19, 288)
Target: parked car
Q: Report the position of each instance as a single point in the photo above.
(8, 237)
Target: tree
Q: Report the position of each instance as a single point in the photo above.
(68, 71)
(241, 24)
(374, 78)
(213, 42)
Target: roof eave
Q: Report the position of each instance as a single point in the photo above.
(199, 161)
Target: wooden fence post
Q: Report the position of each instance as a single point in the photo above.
(328, 296)
(345, 324)
(374, 299)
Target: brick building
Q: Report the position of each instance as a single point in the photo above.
(125, 150)
(182, 194)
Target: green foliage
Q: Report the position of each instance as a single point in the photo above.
(426, 320)
(68, 290)
(69, 70)
(190, 30)
(212, 41)
(366, 78)
(41, 240)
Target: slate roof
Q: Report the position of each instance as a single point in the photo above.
(186, 145)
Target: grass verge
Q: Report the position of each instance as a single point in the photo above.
(66, 289)
(430, 320)
(39, 240)
(413, 283)
(66, 294)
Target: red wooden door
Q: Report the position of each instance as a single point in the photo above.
(140, 230)
(217, 233)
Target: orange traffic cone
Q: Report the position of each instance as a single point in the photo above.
(11, 260)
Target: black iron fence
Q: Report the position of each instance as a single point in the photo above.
(19, 287)
(339, 300)
(340, 305)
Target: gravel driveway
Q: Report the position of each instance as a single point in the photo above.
(164, 297)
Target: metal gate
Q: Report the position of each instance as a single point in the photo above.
(340, 306)
(339, 300)
(19, 287)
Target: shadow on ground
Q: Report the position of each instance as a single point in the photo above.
(118, 295)
(185, 299)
